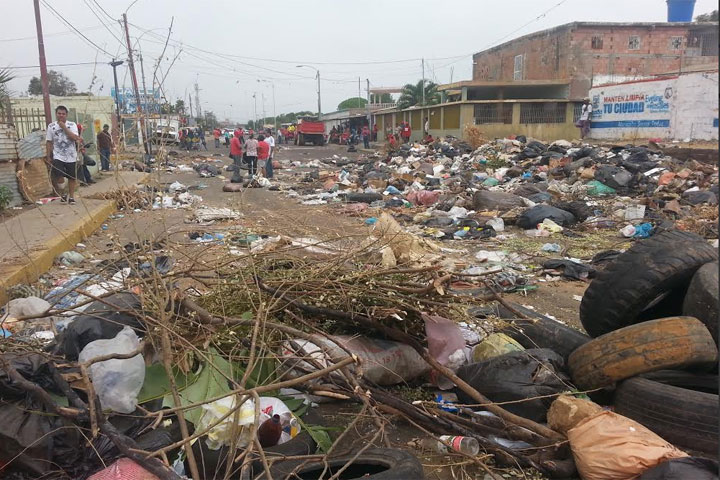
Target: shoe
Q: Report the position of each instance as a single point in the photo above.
(63, 198)
(71, 201)
(91, 182)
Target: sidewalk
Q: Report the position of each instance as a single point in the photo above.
(30, 241)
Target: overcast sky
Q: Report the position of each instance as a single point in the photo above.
(379, 40)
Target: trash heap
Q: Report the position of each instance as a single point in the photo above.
(217, 356)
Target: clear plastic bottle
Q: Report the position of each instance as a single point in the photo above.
(467, 445)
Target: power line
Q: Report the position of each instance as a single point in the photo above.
(65, 32)
(103, 23)
(57, 65)
(62, 19)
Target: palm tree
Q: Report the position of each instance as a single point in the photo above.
(412, 94)
(5, 77)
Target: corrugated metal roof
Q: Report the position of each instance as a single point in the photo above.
(32, 146)
(8, 178)
(8, 140)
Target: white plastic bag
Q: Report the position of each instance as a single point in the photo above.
(116, 382)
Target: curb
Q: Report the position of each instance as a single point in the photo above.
(43, 257)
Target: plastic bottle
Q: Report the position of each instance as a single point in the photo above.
(467, 445)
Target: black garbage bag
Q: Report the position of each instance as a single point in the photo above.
(532, 216)
(522, 375)
(614, 177)
(32, 440)
(537, 146)
(582, 152)
(700, 196)
(527, 189)
(356, 197)
(574, 270)
(683, 469)
(580, 210)
(521, 138)
(101, 320)
(541, 197)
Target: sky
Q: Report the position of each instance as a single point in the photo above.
(234, 50)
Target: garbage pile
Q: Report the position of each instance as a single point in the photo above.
(149, 366)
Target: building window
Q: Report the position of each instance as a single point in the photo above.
(676, 43)
(634, 42)
(703, 44)
(493, 113)
(550, 112)
(519, 65)
(596, 43)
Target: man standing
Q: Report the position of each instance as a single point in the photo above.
(61, 144)
(105, 145)
(268, 163)
(584, 121)
(251, 152)
(366, 136)
(236, 151)
(406, 132)
(216, 134)
(427, 127)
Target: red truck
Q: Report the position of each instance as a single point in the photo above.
(310, 130)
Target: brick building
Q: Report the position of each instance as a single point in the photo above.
(582, 54)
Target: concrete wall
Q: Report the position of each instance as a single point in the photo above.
(567, 52)
(669, 108)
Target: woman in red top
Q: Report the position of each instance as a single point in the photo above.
(263, 153)
(405, 132)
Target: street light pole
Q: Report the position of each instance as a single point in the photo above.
(114, 64)
(43, 66)
(318, 86)
(273, 92)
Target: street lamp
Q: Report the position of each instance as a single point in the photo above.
(273, 90)
(318, 91)
(114, 64)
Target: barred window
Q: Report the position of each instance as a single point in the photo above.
(551, 112)
(596, 43)
(493, 113)
(676, 43)
(634, 42)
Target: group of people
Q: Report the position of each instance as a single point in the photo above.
(351, 134)
(253, 151)
(66, 154)
(403, 132)
(192, 138)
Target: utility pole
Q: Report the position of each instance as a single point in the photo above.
(262, 95)
(131, 64)
(255, 100)
(369, 117)
(198, 111)
(423, 81)
(144, 94)
(359, 97)
(190, 103)
(114, 64)
(43, 66)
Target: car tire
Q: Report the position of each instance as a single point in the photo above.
(372, 464)
(541, 331)
(683, 417)
(702, 298)
(623, 293)
(666, 343)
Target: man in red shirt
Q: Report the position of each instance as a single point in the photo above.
(236, 150)
(405, 132)
(366, 136)
(238, 133)
(263, 153)
(375, 132)
(216, 134)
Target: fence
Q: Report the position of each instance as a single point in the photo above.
(493, 113)
(25, 120)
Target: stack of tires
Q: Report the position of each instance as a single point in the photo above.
(654, 315)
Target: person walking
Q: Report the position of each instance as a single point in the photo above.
(366, 136)
(269, 162)
(61, 144)
(375, 132)
(105, 145)
(251, 153)
(216, 134)
(584, 120)
(201, 134)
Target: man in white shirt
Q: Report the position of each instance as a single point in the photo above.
(61, 145)
(268, 163)
(584, 120)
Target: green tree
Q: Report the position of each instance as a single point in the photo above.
(412, 94)
(59, 84)
(5, 77)
(708, 17)
(382, 98)
(354, 102)
(179, 107)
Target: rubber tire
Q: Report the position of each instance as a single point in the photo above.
(701, 299)
(401, 465)
(542, 331)
(685, 418)
(663, 263)
(700, 382)
(661, 344)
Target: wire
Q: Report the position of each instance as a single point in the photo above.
(54, 34)
(103, 23)
(56, 65)
(47, 5)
